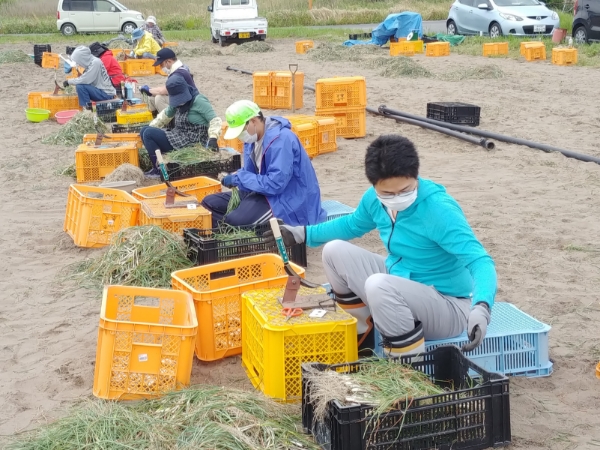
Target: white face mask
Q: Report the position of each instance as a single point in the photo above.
(399, 202)
(248, 138)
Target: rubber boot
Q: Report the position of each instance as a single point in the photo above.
(412, 342)
(353, 305)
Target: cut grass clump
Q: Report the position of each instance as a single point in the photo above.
(14, 56)
(202, 50)
(485, 72)
(234, 200)
(254, 47)
(73, 131)
(138, 256)
(67, 171)
(201, 417)
(194, 155)
(339, 52)
(397, 67)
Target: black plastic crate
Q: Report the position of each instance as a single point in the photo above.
(473, 414)
(203, 248)
(38, 52)
(134, 128)
(107, 110)
(354, 37)
(454, 112)
(210, 169)
(69, 50)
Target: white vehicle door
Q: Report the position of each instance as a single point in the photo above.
(106, 16)
(468, 16)
(81, 14)
(482, 17)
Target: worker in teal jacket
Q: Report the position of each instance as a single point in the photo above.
(437, 279)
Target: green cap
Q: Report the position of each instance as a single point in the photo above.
(237, 115)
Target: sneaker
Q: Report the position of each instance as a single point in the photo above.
(153, 174)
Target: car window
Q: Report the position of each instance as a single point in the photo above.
(80, 5)
(103, 6)
(516, 2)
(235, 2)
(120, 6)
(467, 2)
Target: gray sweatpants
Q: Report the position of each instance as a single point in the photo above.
(395, 303)
(158, 103)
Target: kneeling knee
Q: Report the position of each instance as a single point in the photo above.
(332, 250)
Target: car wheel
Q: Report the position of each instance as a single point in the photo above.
(212, 37)
(128, 27)
(580, 35)
(222, 41)
(495, 30)
(451, 28)
(68, 29)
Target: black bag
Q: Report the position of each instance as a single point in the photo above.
(98, 49)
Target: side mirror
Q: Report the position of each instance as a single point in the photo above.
(113, 9)
(210, 8)
(483, 6)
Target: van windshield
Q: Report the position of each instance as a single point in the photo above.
(516, 2)
(121, 7)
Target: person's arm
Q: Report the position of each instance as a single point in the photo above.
(159, 35)
(143, 46)
(161, 90)
(448, 227)
(201, 112)
(89, 76)
(345, 228)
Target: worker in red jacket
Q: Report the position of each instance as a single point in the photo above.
(110, 63)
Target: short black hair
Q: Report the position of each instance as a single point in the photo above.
(391, 156)
(260, 116)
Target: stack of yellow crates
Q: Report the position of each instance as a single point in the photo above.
(344, 99)
(273, 90)
(317, 134)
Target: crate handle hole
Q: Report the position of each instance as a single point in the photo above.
(141, 300)
(222, 274)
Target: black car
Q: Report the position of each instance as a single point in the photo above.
(586, 21)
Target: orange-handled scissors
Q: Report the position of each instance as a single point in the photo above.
(291, 312)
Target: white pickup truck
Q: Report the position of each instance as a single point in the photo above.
(236, 20)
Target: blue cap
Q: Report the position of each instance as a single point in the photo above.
(179, 91)
(137, 34)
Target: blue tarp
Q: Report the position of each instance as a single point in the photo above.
(396, 25)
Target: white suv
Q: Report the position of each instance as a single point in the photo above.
(96, 15)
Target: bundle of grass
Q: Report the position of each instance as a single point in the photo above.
(67, 171)
(193, 155)
(398, 67)
(126, 172)
(201, 50)
(145, 163)
(202, 417)
(382, 383)
(339, 52)
(14, 56)
(234, 200)
(73, 131)
(138, 256)
(485, 72)
(253, 47)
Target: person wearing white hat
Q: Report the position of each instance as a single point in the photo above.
(152, 27)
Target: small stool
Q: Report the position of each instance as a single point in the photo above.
(336, 209)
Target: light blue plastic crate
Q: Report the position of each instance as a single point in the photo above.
(515, 344)
(336, 209)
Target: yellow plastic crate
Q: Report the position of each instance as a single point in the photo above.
(308, 135)
(153, 212)
(139, 67)
(170, 44)
(350, 122)
(406, 48)
(341, 92)
(327, 138)
(145, 342)
(134, 115)
(273, 349)
(524, 43)
(57, 103)
(564, 56)
(281, 90)
(95, 214)
(261, 85)
(122, 64)
(34, 99)
(158, 71)
(111, 138)
(495, 49)
(303, 46)
(50, 60)
(437, 49)
(94, 164)
(535, 51)
(198, 186)
(218, 302)
(235, 144)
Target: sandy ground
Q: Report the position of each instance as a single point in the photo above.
(536, 213)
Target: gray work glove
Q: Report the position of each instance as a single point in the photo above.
(291, 235)
(479, 319)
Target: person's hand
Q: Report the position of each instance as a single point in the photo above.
(212, 145)
(291, 235)
(66, 83)
(227, 181)
(479, 319)
(145, 89)
(129, 41)
(131, 54)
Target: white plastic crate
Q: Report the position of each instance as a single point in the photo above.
(336, 209)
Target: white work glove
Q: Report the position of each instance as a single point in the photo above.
(132, 54)
(214, 128)
(479, 319)
(291, 235)
(161, 120)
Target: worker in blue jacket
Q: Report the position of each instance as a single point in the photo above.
(277, 179)
(437, 279)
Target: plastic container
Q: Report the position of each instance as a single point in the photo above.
(38, 52)
(211, 246)
(308, 135)
(273, 349)
(341, 92)
(205, 169)
(564, 56)
(303, 46)
(133, 117)
(139, 67)
(281, 90)
(217, 290)
(336, 209)
(406, 48)
(437, 49)
(524, 43)
(34, 99)
(170, 44)
(63, 117)
(154, 212)
(535, 51)
(128, 129)
(111, 138)
(454, 112)
(350, 122)
(95, 214)
(107, 110)
(473, 414)
(127, 186)
(495, 49)
(56, 103)
(327, 135)
(144, 350)
(235, 144)
(200, 187)
(37, 115)
(50, 60)
(261, 89)
(94, 164)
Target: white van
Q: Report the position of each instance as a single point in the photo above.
(236, 20)
(89, 16)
